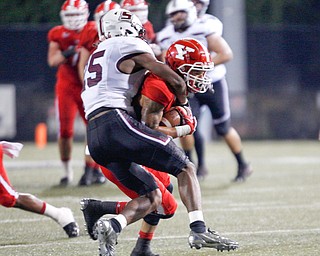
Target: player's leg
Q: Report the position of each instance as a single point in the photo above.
(151, 148)
(66, 110)
(63, 216)
(92, 173)
(10, 198)
(220, 109)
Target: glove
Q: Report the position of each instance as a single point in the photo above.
(69, 52)
(188, 119)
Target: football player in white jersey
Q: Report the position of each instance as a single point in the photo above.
(122, 144)
(208, 30)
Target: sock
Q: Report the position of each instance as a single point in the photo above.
(198, 226)
(199, 148)
(197, 222)
(50, 211)
(240, 159)
(145, 236)
(189, 153)
(90, 164)
(67, 169)
(118, 223)
(112, 207)
(63, 216)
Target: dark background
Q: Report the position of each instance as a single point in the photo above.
(283, 65)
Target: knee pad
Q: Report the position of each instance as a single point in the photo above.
(152, 219)
(223, 128)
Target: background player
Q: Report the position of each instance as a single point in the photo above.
(207, 29)
(63, 53)
(10, 198)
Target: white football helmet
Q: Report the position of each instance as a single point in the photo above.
(74, 14)
(120, 22)
(185, 6)
(103, 8)
(138, 7)
(205, 4)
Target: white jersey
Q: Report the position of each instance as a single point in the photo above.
(200, 30)
(104, 84)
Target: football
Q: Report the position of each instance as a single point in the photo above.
(171, 118)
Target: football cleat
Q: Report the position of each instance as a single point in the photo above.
(202, 172)
(66, 220)
(147, 252)
(72, 229)
(243, 173)
(107, 237)
(65, 181)
(211, 239)
(98, 177)
(90, 209)
(86, 178)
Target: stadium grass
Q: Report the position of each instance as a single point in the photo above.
(275, 212)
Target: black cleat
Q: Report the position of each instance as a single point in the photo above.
(90, 209)
(72, 230)
(202, 172)
(98, 177)
(147, 252)
(65, 181)
(86, 178)
(243, 173)
(211, 239)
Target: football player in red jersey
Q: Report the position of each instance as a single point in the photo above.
(141, 9)
(10, 198)
(63, 53)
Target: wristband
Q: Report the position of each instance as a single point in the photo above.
(183, 130)
(69, 52)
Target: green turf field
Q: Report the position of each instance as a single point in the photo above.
(276, 212)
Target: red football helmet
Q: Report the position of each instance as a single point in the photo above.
(138, 7)
(74, 14)
(103, 8)
(187, 55)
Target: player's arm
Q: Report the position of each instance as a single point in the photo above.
(172, 79)
(84, 56)
(151, 115)
(222, 51)
(56, 56)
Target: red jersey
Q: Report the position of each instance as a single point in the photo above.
(89, 38)
(66, 38)
(150, 35)
(156, 89)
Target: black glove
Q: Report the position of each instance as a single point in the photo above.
(69, 52)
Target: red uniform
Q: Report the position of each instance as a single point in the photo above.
(68, 86)
(150, 35)
(8, 195)
(89, 39)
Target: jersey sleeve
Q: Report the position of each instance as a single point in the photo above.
(212, 25)
(156, 89)
(163, 37)
(53, 34)
(88, 37)
(135, 45)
